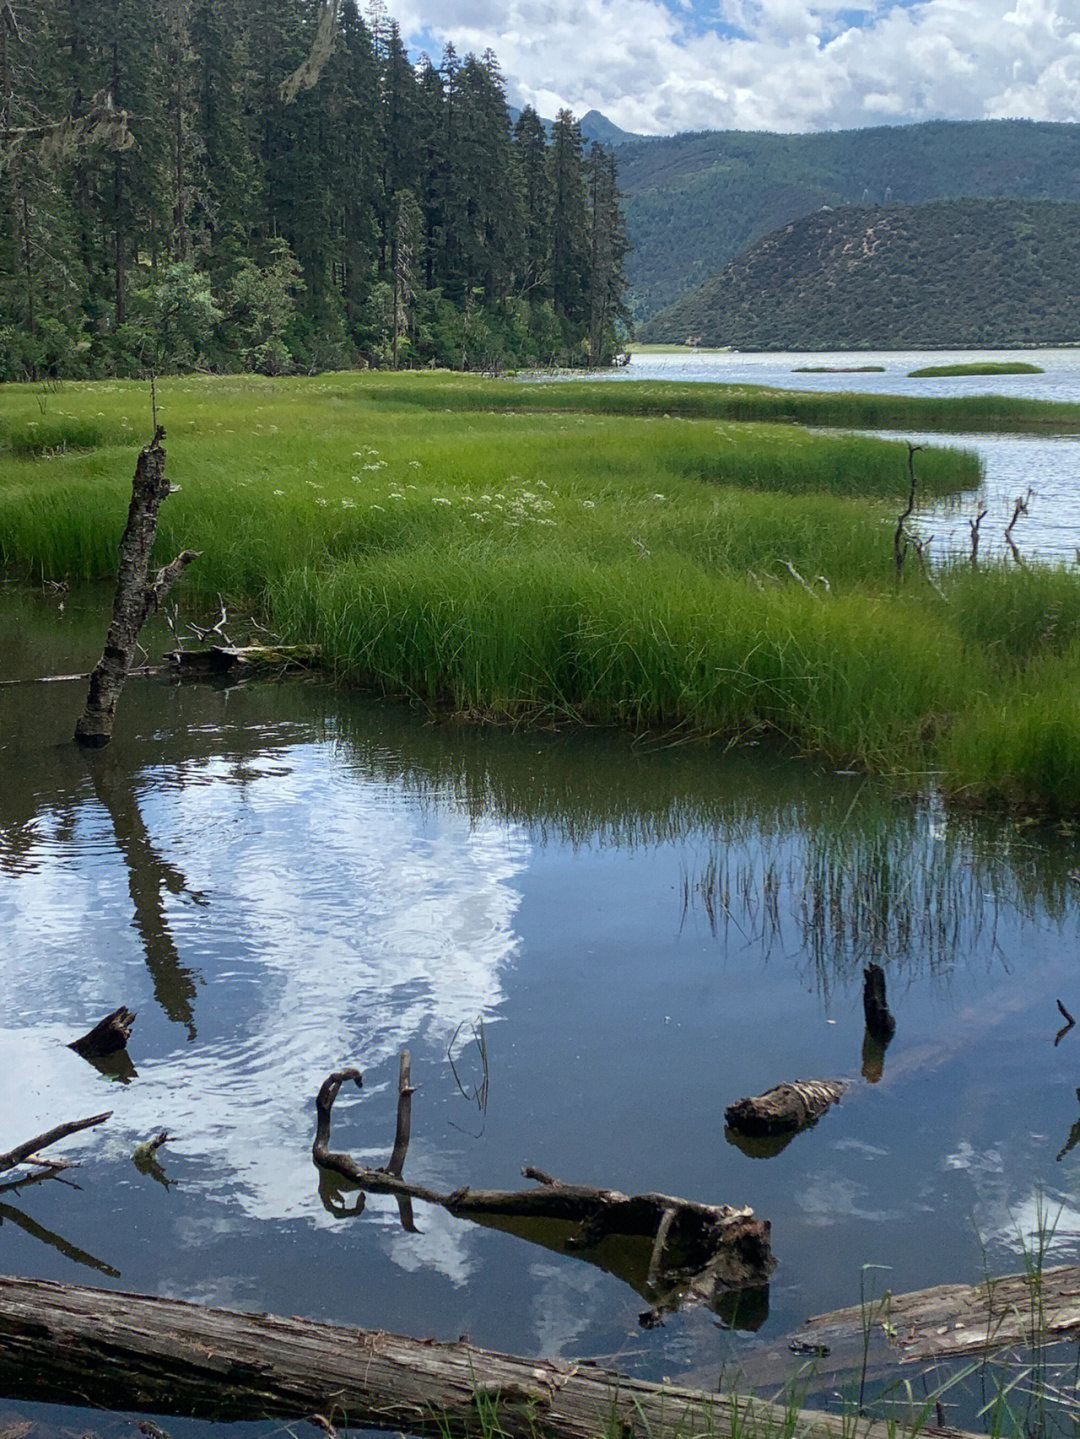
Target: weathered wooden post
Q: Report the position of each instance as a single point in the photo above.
(136, 594)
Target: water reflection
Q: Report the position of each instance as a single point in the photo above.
(647, 931)
(149, 878)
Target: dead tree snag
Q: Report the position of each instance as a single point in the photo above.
(137, 594)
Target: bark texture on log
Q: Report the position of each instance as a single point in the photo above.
(136, 594)
(67, 1344)
(695, 1252)
(785, 1109)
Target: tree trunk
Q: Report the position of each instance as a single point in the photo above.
(136, 594)
(71, 1345)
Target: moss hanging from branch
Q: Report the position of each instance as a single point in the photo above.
(322, 48)
(57, 140)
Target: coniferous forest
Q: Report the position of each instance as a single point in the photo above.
(274, 185)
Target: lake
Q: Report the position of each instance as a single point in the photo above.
(591, 946)
(1048, 464)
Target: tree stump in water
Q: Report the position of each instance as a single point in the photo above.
(108, 1036)
(785, 1109)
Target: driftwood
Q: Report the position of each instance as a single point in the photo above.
(136, 594)
(107, 1036)
(779, 1114)
(673, 1251)
(72, 1345)
(40, 1167)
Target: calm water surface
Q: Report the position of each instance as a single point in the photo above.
(1049, 465)
(283, 880)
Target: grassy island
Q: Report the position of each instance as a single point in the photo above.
(977, 367)
(580, 551)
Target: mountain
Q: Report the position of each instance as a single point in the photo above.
(595, 126)
(693, 202)
(953, 274)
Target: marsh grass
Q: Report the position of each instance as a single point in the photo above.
(583, 563)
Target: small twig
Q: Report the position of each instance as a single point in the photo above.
(973, 526)
(1019, 508)
(920, 547)
(406, 1090)
(901, 537)
(1069, 1023)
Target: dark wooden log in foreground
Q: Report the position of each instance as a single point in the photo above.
(697, 1252)
(67, 1344)
(107, 1036)
(136, 594)
(785, 1109)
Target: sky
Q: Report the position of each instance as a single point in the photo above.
(661, 66)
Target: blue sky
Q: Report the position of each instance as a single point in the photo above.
(658, 66)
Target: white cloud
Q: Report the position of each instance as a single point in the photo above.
(773, 64)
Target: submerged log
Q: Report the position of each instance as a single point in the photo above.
(67, 1344)
(222, 659)
(785, 1109)
(694, 1252)
(107, 1036)
(947, 1321)
(136, 594)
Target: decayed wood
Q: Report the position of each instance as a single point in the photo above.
(136, 594)
(695, 1252)
(68, 1344)
(107, 1036)
(785, 1109)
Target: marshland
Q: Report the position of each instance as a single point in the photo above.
(629, 747)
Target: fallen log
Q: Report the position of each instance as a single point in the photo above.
(107, 1036)
(68, 1344)
(686, 1252)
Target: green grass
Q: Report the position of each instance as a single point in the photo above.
(641, 569)
(977, 367)
(742, 403)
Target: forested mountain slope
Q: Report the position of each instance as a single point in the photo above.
(957, 273)
(693, 202)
